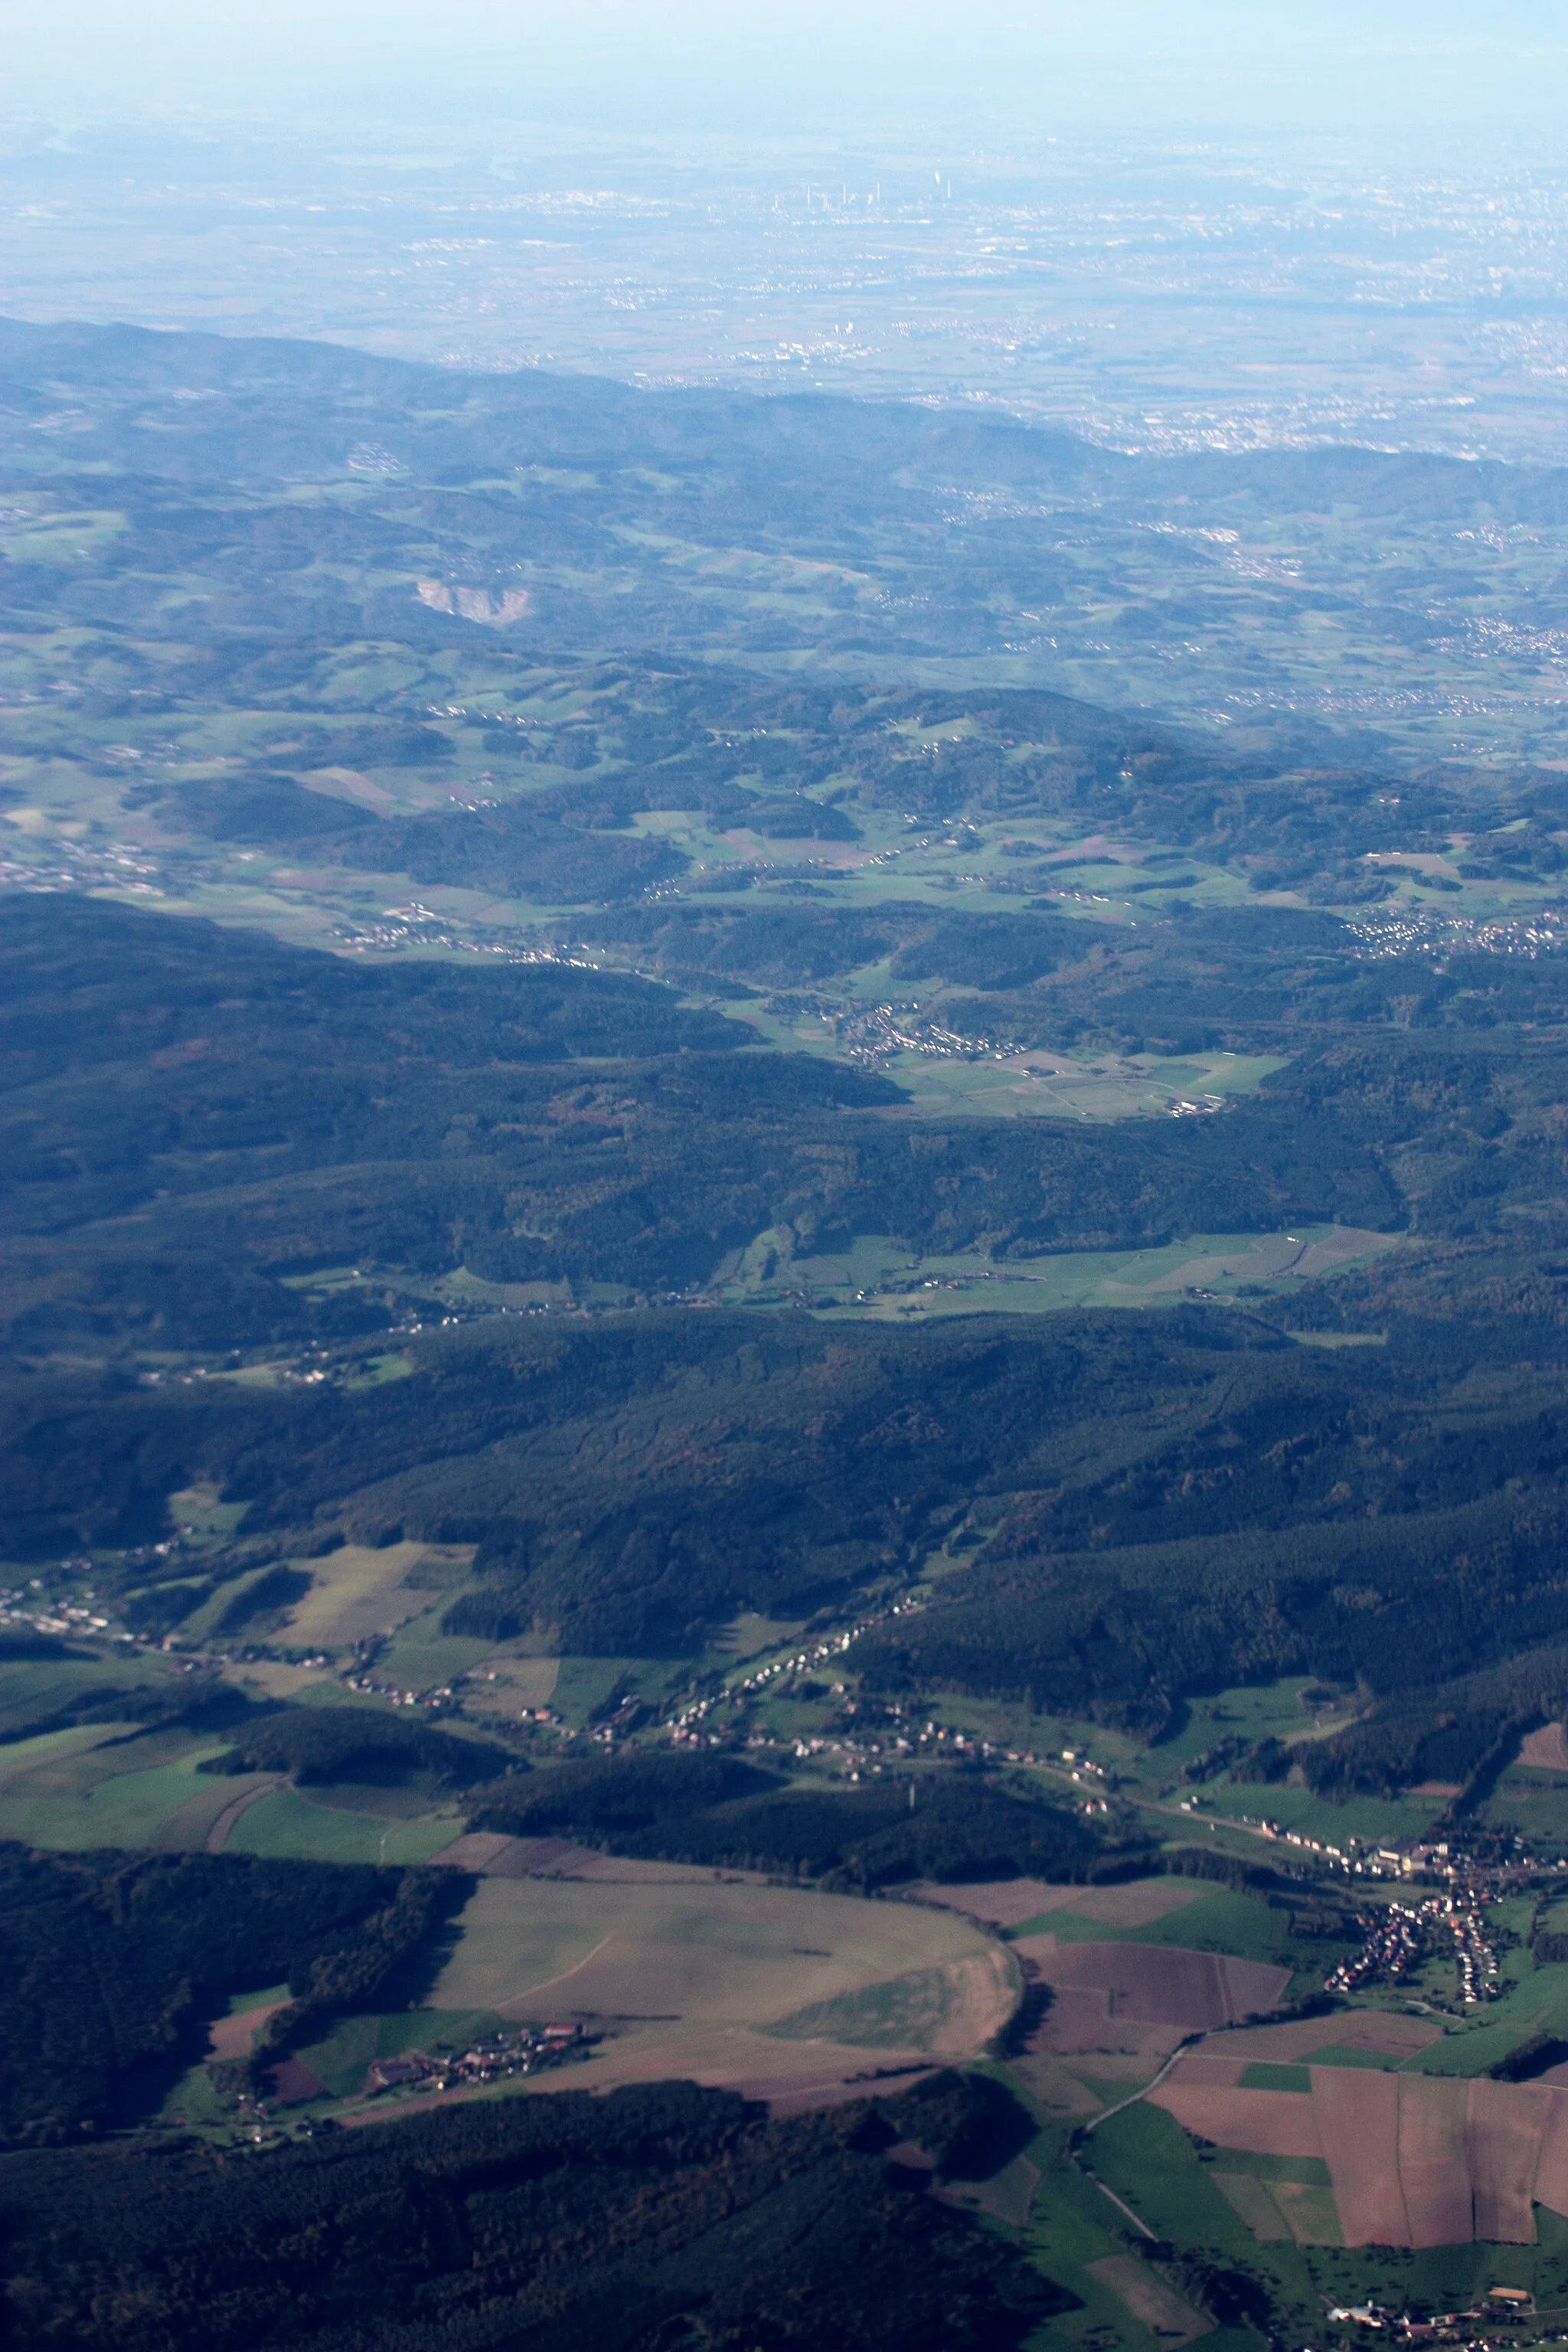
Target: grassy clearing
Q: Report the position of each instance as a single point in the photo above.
(508, 1686)
(1310, 2171)
(1251, 1712)
(359, 1591)
(583, 1683)
(907, 2012)
(1072, 2228)
(422, 1657)
(199, 1510)
(288, 1825)
(53, 1751)
(1372, 1818)
(875, 1279)
(1535, 1804)
(1038, 1086)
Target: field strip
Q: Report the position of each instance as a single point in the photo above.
(219, 1835)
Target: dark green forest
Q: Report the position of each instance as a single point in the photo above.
(115, 1963)
(692, 1809)
(645, 2218)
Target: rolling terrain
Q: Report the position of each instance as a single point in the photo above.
(729, 1329)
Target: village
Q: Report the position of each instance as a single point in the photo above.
(493, 2058)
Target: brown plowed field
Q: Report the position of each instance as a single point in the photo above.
(1079, 2024)
(1358, 2122)
(1502, 2137)
(1160, 1984)
(1213, 2071)
(1434, 2161)
(1265, 2123)
(1415, 2159)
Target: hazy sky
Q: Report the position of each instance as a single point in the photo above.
(1399, 72)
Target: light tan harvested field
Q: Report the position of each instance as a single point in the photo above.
(1546, 1750)
(1158, 1984)
(1137, 1903)
(491, 608)
(357, 1591)
(788, 1995)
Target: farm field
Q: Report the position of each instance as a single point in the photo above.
(1143, 2158)
(1413, 2160)
(774, 1989)
(35, 1692)
(97, 1785)
(1147, 1985)
(1210, 1919)
(72, 1792)
(1025, 1905)
(1276, 2218)
(359, 1591)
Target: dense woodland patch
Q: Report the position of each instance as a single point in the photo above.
(646, 2218)
(113, 1964)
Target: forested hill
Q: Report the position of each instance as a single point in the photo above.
(244, 1112)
